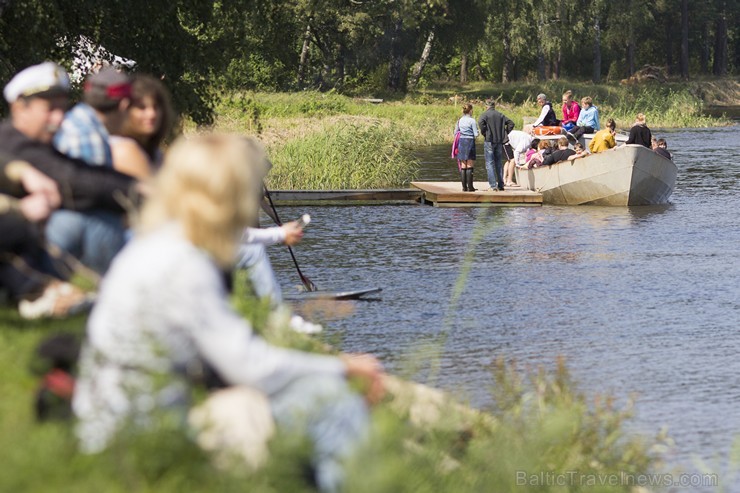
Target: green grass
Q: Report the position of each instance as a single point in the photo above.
(541, 423)
(330, 141)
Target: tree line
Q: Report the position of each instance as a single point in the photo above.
(375, 46)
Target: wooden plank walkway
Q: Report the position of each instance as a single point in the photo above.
(450, 194)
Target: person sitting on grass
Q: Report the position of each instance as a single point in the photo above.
(562, 153)
(163, 309)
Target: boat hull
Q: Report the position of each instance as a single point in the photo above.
(625, 176)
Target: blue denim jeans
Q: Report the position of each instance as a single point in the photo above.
(335, 419)
(92, 237)
(494, 165)
(253, 257)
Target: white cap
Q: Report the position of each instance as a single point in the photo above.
(46, 78)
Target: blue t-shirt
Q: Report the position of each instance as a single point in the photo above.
(468, 127)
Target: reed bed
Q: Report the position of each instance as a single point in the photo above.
(343, 153)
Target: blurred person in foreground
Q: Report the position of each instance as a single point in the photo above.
(27, 271)
(38, 97)
(164, 308)
(149, 119)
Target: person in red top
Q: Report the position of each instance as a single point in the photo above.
(571, 110)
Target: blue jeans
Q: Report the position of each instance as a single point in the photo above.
(92, 237)
(335, 419)
(494, 165)
(253, 257)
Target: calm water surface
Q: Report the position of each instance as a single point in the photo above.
(642, 301)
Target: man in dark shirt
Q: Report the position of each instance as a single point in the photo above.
(561, 154)
(38, 97)
(495, 128)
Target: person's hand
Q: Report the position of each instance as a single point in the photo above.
(368, 369)
(293, 233)
(35, 207)
(36, 183)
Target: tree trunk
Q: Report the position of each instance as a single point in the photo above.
(669, 28)
(541, 63)
(720, 46)
(304, 54)
(464, 67)
(630, 57)
(704, 58)
(507, 74)
(596, 76)
(555, 71)
(685, 39)
(396, 63)
(340, 64)
(419, 68)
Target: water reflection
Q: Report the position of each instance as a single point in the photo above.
(641, 300)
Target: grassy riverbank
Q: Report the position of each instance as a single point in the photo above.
(330, 141)
(542, 425)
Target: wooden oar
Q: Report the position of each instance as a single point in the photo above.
(307, 283)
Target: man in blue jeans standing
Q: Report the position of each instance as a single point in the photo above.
(495, 128)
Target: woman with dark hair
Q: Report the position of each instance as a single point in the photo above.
(136, 151)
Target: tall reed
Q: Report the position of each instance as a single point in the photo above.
(343, 154)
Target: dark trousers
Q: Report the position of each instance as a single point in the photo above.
(579, 131)
(24, 263)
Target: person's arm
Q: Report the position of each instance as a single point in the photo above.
(576, 112)
(508, 125)
(476, 132)
(130, 159)
(543, 114)
(633, 133)
(82, 186)
(483, 124)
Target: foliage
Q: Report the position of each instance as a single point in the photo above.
(367, 48)
(541, 423)
(343, 153)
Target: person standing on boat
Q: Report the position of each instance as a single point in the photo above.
(571, 110)
(466, 148)
(640, 133)
(588, 119)
(547, 116)
(604, 139)
(495, 127)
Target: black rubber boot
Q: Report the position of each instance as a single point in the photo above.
(470, 179)
(463, 179)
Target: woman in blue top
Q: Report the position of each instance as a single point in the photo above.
(588, 119)
(468, 129)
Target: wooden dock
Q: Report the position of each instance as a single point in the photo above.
(450, 194)
(437, 193)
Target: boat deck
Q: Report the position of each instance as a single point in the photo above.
(449, 194)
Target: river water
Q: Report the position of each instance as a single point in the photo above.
(640, 301)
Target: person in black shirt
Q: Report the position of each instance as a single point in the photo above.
(640, 133)
(561, 154)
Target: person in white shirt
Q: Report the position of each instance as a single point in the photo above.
(519, 142)
(163, 309)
